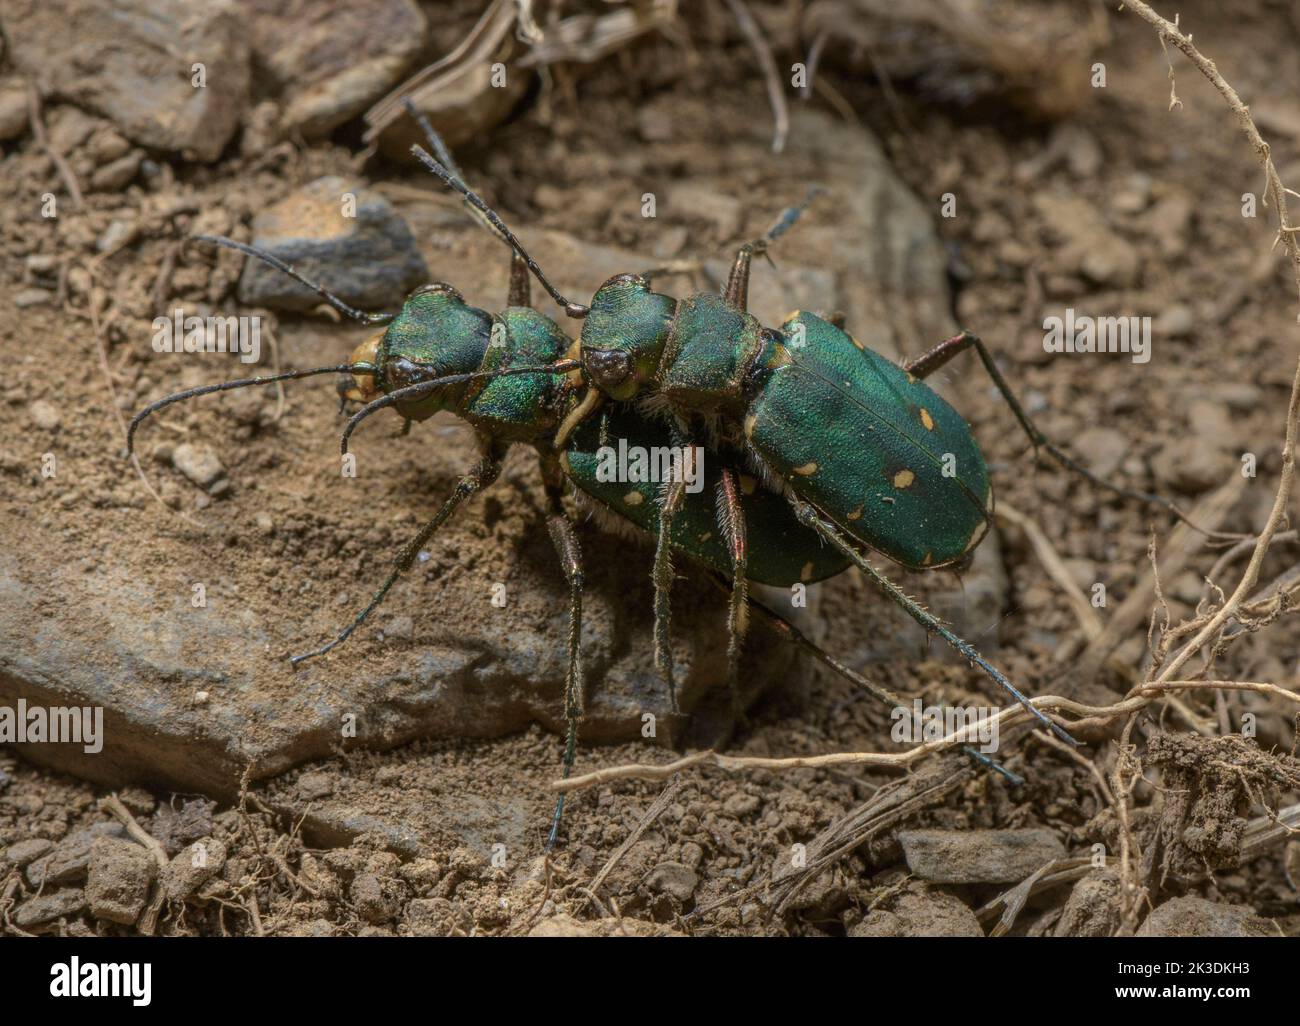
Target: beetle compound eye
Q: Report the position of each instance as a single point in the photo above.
(607, 369)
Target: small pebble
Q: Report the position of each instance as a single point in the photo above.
(24, 298)
(45, 415)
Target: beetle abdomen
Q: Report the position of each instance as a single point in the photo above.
(875, 449)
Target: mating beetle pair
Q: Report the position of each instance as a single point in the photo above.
(863, 452)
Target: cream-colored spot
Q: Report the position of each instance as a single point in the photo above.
(807, 470)
(750, 421)
(856, 514)
(791, 316)
(911, 378)
(929, 558)
(633, 498)
(854, 340)
(748, 484)
(904, 478)
(706, 536)
(805, 574)
(926, 419)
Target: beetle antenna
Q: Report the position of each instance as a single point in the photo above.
(422, 388)
(227, 386)
(280, 265)
(571, 308)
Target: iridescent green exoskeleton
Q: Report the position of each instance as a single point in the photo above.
(506, 374)
(870, 456)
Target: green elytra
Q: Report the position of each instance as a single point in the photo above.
(871, 457)
(502, 373)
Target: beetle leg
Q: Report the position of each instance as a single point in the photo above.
(788, 632)
(736, 293)
(520, 282)
(809, 517)
(662, 576)
(565, 539)
(475, 481)
(926, 364)
(731, 518)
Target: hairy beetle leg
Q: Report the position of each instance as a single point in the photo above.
(475, 481)
(788, 632)
(926, 364)
(565, 539)
(809, 517)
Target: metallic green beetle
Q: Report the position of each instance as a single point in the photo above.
(871, 456)
(500, 374)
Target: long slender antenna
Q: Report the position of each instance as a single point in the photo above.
(441, 151)
(227, 386)
(280, 265)
(421, 388)
(571, 308)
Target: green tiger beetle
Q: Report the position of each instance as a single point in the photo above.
(509, 377)
(869, 456)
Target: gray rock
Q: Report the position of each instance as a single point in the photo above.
(369, 260)
(68, 861)
(193, 867)
(920, 912)
(117, 885)
(199, 462)
(315, 785)
(23, 852)
(132, 61)
(1191, 466)
(117, 174)
(978, 856)
(330, 61)
(1092, 910)
(1195, 917)
(674, 879)
(46, 908)
(24, 298)
(376, 898)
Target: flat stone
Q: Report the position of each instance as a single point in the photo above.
(193, 866)
(978, 856)
(920, 912)
(117, 174)
(69, 859)
(342, 234)
(118, 881)
(674, 879)
(1196, 917)
(133, 61)
(47, 908)
(331, 59)
(1092, 910)
(23, 852)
